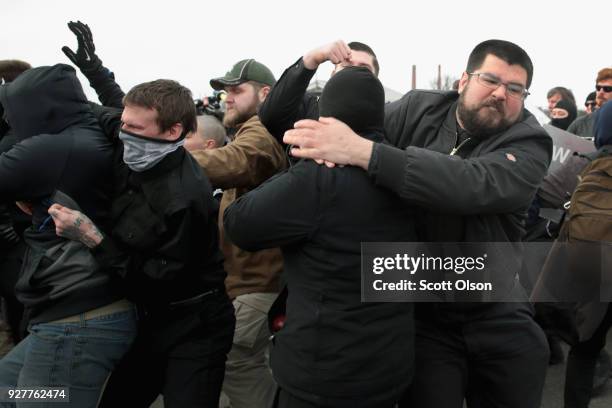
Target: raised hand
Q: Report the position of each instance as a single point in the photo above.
(85, 56)
(336, 52)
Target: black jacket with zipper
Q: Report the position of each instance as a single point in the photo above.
(478, 194)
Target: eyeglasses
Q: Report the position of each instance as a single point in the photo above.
(490, 81)
(590, 104)
(605, 88)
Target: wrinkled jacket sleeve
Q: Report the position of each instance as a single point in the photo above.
(32, 168)
(280, 212)
(110, 257)
(288, 101)
(253, 157)
(102, 80)
(488, 184)
(109, 119)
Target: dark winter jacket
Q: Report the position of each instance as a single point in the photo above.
(61, 147)
(478, 194)
(484, 188)
(334, 349)
(583, 126)
(164, 239)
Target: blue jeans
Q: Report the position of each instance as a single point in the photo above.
(78, 355)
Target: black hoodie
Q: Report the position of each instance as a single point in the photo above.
(60, 147)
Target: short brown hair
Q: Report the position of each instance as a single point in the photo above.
(172, 101)
(11, 69)
(604, 74)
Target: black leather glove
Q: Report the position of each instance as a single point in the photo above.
(85, 57)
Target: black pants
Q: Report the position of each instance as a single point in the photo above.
(10, 267)
(498, 359)
(179, 353)
(581, 363)
(283, 399)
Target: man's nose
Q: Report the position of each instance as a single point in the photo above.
(500, 92)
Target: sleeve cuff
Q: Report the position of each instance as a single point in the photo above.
(387, 166)
(302, 71)
(105, 252)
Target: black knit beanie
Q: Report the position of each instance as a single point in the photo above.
(356, 97)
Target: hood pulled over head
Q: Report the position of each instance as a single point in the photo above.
(44, 100)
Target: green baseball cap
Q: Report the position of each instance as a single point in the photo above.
(243, 71)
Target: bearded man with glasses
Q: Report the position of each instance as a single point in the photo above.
(583, 126)
(470, 162)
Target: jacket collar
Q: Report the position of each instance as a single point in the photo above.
(168, 163)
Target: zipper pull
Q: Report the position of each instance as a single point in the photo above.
(456, 149)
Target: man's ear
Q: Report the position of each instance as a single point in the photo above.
(463, 81)
(263, 93)
(175, 131)
(210, 144)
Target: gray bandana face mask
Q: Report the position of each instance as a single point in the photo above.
(140, 153)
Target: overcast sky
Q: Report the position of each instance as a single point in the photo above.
(193, 41)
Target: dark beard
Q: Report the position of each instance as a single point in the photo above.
(479, 126)
(240, 117)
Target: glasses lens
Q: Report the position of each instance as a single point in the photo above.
(516, 91)
(489, 81)
(605, 88)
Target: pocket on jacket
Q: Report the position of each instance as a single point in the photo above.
(141, 230)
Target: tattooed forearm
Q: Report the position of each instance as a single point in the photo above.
(84, 230)
(92, 235)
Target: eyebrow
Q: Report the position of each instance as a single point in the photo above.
(499, 79)
(131, 125)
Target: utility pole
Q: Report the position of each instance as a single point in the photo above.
(439, 76)
(414, 77)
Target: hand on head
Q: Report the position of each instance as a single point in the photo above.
(336, 52)
(327, 140)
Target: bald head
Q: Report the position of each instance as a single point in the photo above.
(209, 134)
